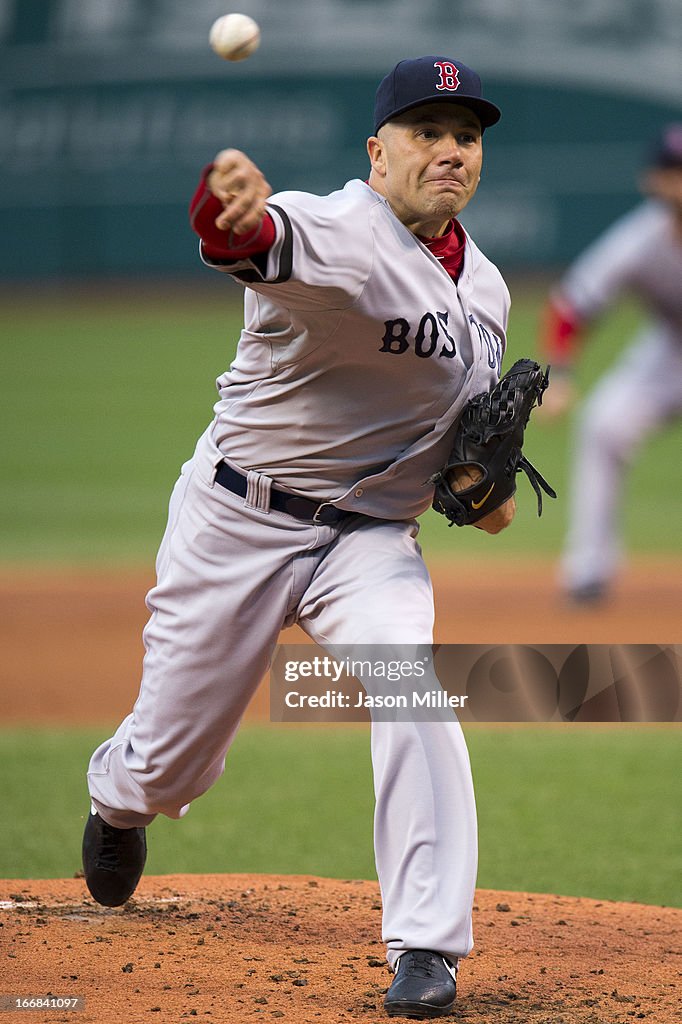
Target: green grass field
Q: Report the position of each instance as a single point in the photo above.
(104, 397)
(571, 810)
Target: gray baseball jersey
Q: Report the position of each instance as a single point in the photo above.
(358, 353)
(640, 253)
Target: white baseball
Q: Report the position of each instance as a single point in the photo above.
(234, 36)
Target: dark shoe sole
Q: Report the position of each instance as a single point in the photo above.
(417, 1011)
(106, 899)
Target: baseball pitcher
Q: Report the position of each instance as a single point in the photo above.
(370, 319)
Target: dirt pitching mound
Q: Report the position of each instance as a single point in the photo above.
(307, 950)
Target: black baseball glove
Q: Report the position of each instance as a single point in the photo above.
(488, 448)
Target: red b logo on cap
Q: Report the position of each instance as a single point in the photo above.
(449, 79)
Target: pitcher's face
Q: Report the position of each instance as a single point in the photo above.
(427, 163)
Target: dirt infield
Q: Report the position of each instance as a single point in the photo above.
(308, 950)
(305, 950)
(71, 640)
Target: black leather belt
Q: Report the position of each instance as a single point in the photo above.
(282, 501)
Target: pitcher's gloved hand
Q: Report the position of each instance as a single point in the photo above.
(488, 449)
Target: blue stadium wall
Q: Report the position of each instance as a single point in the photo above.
(110, 108)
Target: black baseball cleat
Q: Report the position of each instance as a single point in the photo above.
(592, 593)
(113, 860)
(424, 986)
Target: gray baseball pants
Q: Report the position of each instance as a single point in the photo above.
(231, 573)
(631, 402)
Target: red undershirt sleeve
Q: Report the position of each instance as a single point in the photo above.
(219, 244)
(560, 333)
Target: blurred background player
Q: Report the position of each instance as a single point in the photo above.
(640, 254)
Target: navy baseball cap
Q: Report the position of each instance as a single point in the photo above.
(431, 80)
(667, 151)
